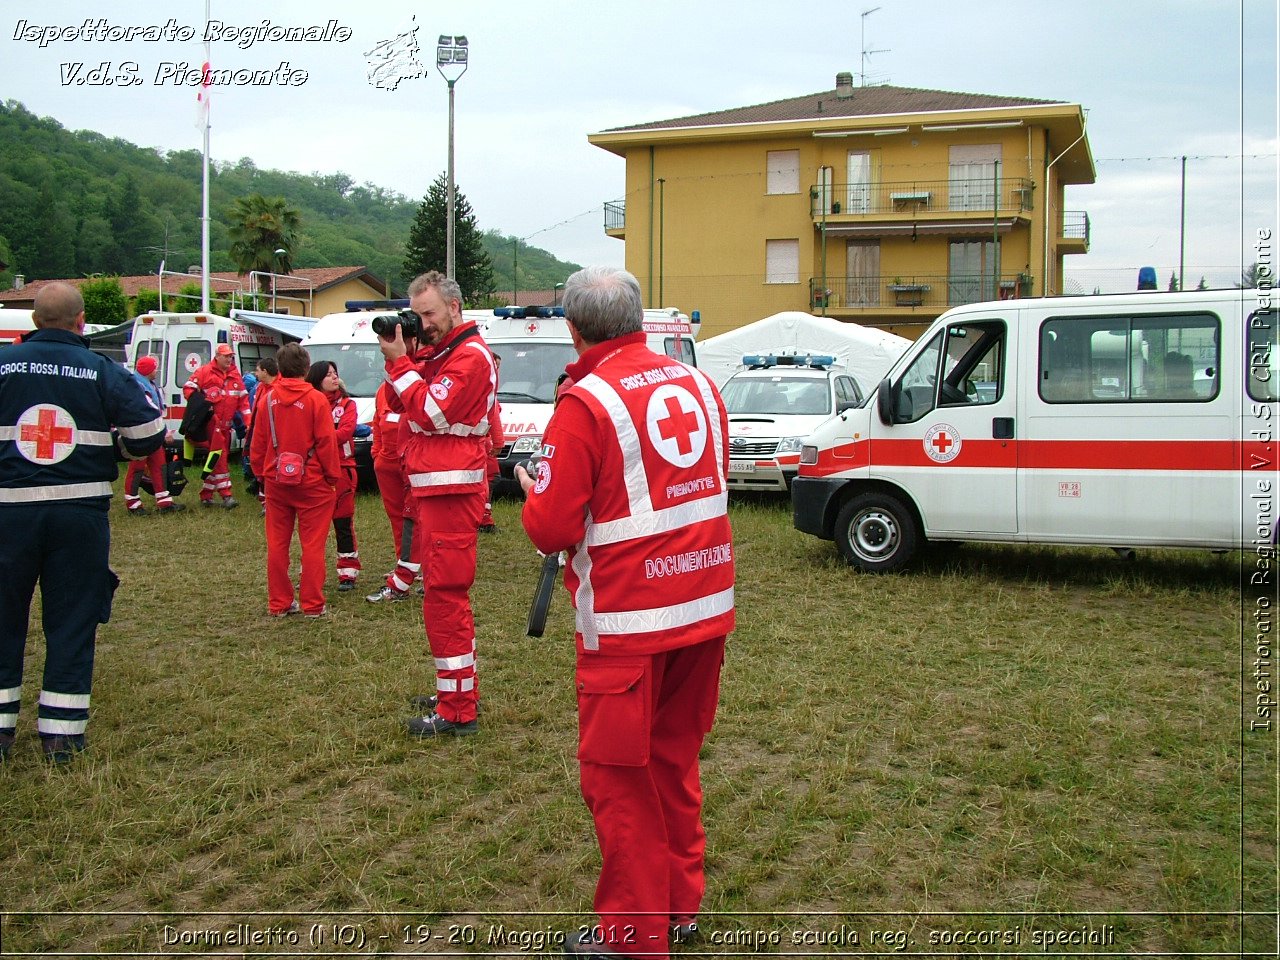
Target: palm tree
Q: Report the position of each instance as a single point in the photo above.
(264, 232)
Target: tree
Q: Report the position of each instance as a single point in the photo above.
(261, 226)
(1253, 277)
(1173, 282)
(426, 249)
(1202, 285)
(146, 301)
(104, 301)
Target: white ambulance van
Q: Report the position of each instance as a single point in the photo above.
(348, 340)
(14, 324)
(774, 403)
(184, 342)
(535, 347)
(1133, 420)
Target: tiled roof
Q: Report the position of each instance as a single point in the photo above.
(826, 105)
(321, 278)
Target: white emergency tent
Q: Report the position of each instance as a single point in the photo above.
(865, 352)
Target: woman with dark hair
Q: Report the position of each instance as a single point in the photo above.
(323, 375)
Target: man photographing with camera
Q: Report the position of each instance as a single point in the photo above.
(447, 392)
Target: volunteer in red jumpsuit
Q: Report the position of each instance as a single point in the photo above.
(224, 388)
(447, 398)
(323, 375)
(492, 471)
(632, 483)
(296, 421)
(266, 371)
(155, 463)
(393, 486)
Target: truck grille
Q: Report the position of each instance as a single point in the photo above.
(758, 448)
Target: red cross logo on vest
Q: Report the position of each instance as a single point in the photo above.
(677, 425)
(46, 434)
(942, 443)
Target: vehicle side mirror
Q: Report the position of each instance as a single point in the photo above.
(886, 401)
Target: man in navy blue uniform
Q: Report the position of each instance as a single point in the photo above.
(58, 404)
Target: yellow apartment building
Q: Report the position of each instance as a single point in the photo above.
(881, 205)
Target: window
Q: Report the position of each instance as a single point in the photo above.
(847, 391)
(159, 350)
(360, 365)
(972, 176)
(251, 353)
(858, 193)
(679, 348)
(190, 356)
(972, 271)
(783, 171)
(1263, 361)
(1154, 358)
(782, 261)
(972, 370)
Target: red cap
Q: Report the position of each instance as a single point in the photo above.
(224, 350)
(146, 365)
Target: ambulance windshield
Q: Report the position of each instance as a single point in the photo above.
(779, 396)
(530, 370)
(360, 365)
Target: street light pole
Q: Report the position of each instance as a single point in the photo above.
(451, 50)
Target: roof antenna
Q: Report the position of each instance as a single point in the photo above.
(866, 54)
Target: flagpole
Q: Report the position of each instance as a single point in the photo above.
(204, 219)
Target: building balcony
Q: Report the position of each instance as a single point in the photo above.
(1075, 232)
(852, 296)
(920, 207)
(615, 219)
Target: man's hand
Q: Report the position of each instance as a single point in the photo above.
(393, 350)
(522, 477)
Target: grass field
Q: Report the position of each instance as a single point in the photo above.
(1002, 746)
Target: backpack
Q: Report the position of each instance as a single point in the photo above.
(195, 421)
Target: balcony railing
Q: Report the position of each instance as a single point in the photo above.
(862, 293)
(615, 215)
(1075, 225)
(921, 197)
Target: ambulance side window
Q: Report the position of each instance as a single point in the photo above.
(919, 383)
(679, 348)
(1263, 359)
(973, 373)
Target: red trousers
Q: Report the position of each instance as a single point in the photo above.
(220, 479)
(394, 491)
(393, 485)
(641, 723)
(445, 535)
(309, 505)
(154, 464)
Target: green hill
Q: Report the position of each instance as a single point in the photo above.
(74, 203)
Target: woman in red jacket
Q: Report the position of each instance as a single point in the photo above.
(296, 456)
(323, 375)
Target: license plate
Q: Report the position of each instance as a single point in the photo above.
(742, 466)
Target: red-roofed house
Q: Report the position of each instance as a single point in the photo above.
(307, 292)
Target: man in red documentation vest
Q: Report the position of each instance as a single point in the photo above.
(447, 394)
(632, 483)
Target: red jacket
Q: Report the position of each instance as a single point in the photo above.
(225, 390)
(632, 480)
(345, 418)
(447, 398)
(386, 426)
(302, 423)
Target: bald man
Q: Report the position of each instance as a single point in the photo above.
(58, 404)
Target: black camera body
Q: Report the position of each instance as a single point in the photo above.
(409, 323)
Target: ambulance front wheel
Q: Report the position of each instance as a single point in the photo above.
(876, 533)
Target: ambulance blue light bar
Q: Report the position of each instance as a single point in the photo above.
(759, 361)
(524, 313)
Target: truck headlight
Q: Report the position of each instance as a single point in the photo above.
(808, 454)
(527, 445)
(790, 444)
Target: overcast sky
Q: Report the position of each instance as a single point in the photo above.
(1159, 80)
